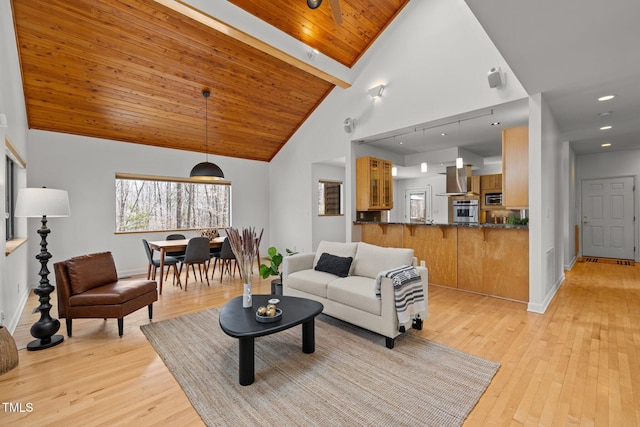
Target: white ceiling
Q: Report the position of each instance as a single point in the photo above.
(572, 52)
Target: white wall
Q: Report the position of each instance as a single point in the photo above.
(330, 228)
(546, 249)
(86, 168)
(433, 58)
(14, 288)
(610, 164)
(569, 208)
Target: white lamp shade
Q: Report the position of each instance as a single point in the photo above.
(36, 202)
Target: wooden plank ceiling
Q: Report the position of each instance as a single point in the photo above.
(134, 70)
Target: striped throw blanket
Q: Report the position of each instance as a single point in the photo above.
(409, 293)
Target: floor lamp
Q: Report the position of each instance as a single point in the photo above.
(43, 203)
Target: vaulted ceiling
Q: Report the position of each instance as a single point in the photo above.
(134, 70)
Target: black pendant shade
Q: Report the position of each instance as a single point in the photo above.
(206, 171)
(314, 4)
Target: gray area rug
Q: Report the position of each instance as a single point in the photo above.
(351, 379)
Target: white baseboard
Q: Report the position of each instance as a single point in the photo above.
(13, 322)
(542, 307)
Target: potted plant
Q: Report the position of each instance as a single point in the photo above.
(273, 269)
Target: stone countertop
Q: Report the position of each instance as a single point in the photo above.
(441, 224)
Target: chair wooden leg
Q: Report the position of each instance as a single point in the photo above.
(69, 327)
(186, 278)
(206, 273)
(176, 275)
(150, 311)
(223, 263)
(213, 272)
(120, 326)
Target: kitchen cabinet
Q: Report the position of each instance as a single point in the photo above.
(515, 167)
(494, 262)
(475, 184)
(491, 183)
(374, 184)
(490, 260)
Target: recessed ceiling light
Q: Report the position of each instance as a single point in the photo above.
(495, 123)
(443, 134)
(606, 97)
(606, 127)
(605, 114)
(605, 144)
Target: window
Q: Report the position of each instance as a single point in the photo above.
(330, 198)
(10, 198)
(145, 203)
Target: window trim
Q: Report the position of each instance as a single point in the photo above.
(158, 178)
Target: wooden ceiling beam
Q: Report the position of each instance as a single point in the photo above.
(211, 22)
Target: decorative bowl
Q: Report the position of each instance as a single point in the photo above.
(269, 319)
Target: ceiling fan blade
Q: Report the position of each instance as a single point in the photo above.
(336, 10)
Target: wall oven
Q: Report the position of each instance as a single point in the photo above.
(465, 211)
(493, 199)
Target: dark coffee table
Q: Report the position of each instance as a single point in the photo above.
(241, 323)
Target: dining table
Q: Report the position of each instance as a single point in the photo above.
(165, 246)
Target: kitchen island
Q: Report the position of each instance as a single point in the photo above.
(491, 259)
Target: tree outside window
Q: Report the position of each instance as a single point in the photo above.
(150, 204)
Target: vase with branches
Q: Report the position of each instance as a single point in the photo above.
(244, 245)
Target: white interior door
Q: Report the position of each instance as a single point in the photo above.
(608, 218)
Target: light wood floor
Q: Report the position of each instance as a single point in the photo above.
(578, 364)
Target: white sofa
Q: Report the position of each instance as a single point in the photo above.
(353, 298)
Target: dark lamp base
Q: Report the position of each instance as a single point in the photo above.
(40, 345)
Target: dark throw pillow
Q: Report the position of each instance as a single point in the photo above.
(334, 264)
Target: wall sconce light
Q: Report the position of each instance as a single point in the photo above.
(376, 92)
(423, 167)
(394, 171)
(312, 54)
(459, 163)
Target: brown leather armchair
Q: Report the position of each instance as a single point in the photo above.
(88, 287)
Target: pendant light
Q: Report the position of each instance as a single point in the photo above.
(314, 4)
(459, 159)
(423, 166)
(206, 171)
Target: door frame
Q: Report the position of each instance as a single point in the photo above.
(428, 202)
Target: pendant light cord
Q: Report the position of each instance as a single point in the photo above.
(206, 94)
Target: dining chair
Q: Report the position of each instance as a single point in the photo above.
(177, 254)
(197, 253)
(154, 263)
(226, 257)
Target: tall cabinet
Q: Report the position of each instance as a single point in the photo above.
(515, 167)
(374, 184)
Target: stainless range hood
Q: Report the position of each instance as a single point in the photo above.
(458, 181)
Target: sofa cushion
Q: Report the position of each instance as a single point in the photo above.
(114, 293)
(336, 248)
(371, 259)
(334, 264)
(310, 281)
(357, 292)
(90, 271)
